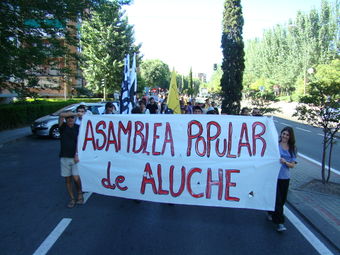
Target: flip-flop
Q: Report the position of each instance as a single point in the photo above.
(72, 203)
(80, 200)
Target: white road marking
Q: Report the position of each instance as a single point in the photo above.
(306, 130)
(283, 123)
(310, 237)
(53, 237)
(87, 196)
(320, 134)
(318, 163)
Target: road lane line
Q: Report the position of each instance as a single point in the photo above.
(283, 123)
(304, 129)
(318, 163)
(87, 196)
(320, 134)
(52, 237)
(310, 237)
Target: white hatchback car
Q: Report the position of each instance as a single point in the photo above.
(48, 125)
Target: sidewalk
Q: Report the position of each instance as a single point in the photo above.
(318, 204)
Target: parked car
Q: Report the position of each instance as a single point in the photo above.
(48, 125)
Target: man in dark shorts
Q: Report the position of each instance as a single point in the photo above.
(69, 156)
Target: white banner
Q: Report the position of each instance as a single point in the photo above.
(210, 160)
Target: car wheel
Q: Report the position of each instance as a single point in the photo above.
(54, 132)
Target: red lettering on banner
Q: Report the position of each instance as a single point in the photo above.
(148, 180)
(139, 126)
(230, 140)
(161, 191)
(210, 182)
(259, 137)
(201, 139)
(120, 179)
(191, 172)
(155, 137)
(230, 184)
(146, 139)
(125, 130)
(171, 179)
(221, 154)
(186, 182)
(89, 128)
(244, 133)
(212, 138)
(106, 182)
(111, 132)
(192, 136)
(168, 139)
(100, 131)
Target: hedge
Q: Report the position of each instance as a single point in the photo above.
(24, 113)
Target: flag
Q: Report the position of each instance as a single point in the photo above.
(129, 86)
(173, 99)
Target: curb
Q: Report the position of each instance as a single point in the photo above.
(309, 215)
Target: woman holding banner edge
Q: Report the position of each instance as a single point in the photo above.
(288, 151)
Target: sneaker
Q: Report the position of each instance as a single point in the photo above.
(281, 228)
(269, 217)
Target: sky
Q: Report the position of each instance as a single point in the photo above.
(187, 33)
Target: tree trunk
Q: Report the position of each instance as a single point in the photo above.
(324, 145)
(330, 158)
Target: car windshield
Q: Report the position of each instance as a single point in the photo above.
(62, 110)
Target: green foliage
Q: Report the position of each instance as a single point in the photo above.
(30, 33)
(263, 100)
(23, 113)
(233, 57)
(155, 73)
(214, 85)
(320, 107)
(18, 115)
(106, 37)
(286, 52)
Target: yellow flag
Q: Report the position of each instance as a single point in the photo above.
(173, 99)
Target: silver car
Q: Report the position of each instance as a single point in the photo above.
(48, 125)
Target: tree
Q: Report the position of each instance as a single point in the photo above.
(233, 57)
(30, 35)
(106, 37)
(321, 108)
(155, 73)
(285, 52)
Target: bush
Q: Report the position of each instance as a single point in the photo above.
(23, 113)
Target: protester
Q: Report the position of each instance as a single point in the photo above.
(143, 108)
(182, 106)
(136, 110)
(213, 104)
(197, 110)
(189, 108)
(245, 111)
(109, 108)
(211, 110)
(256, 112)
(164, 105)
(69, 156)
(152, 106)
(288, 160)
(82, 110)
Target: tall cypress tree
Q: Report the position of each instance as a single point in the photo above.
(233, 57)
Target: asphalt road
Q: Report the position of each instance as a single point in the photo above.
(309, 140)
(33, 202)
